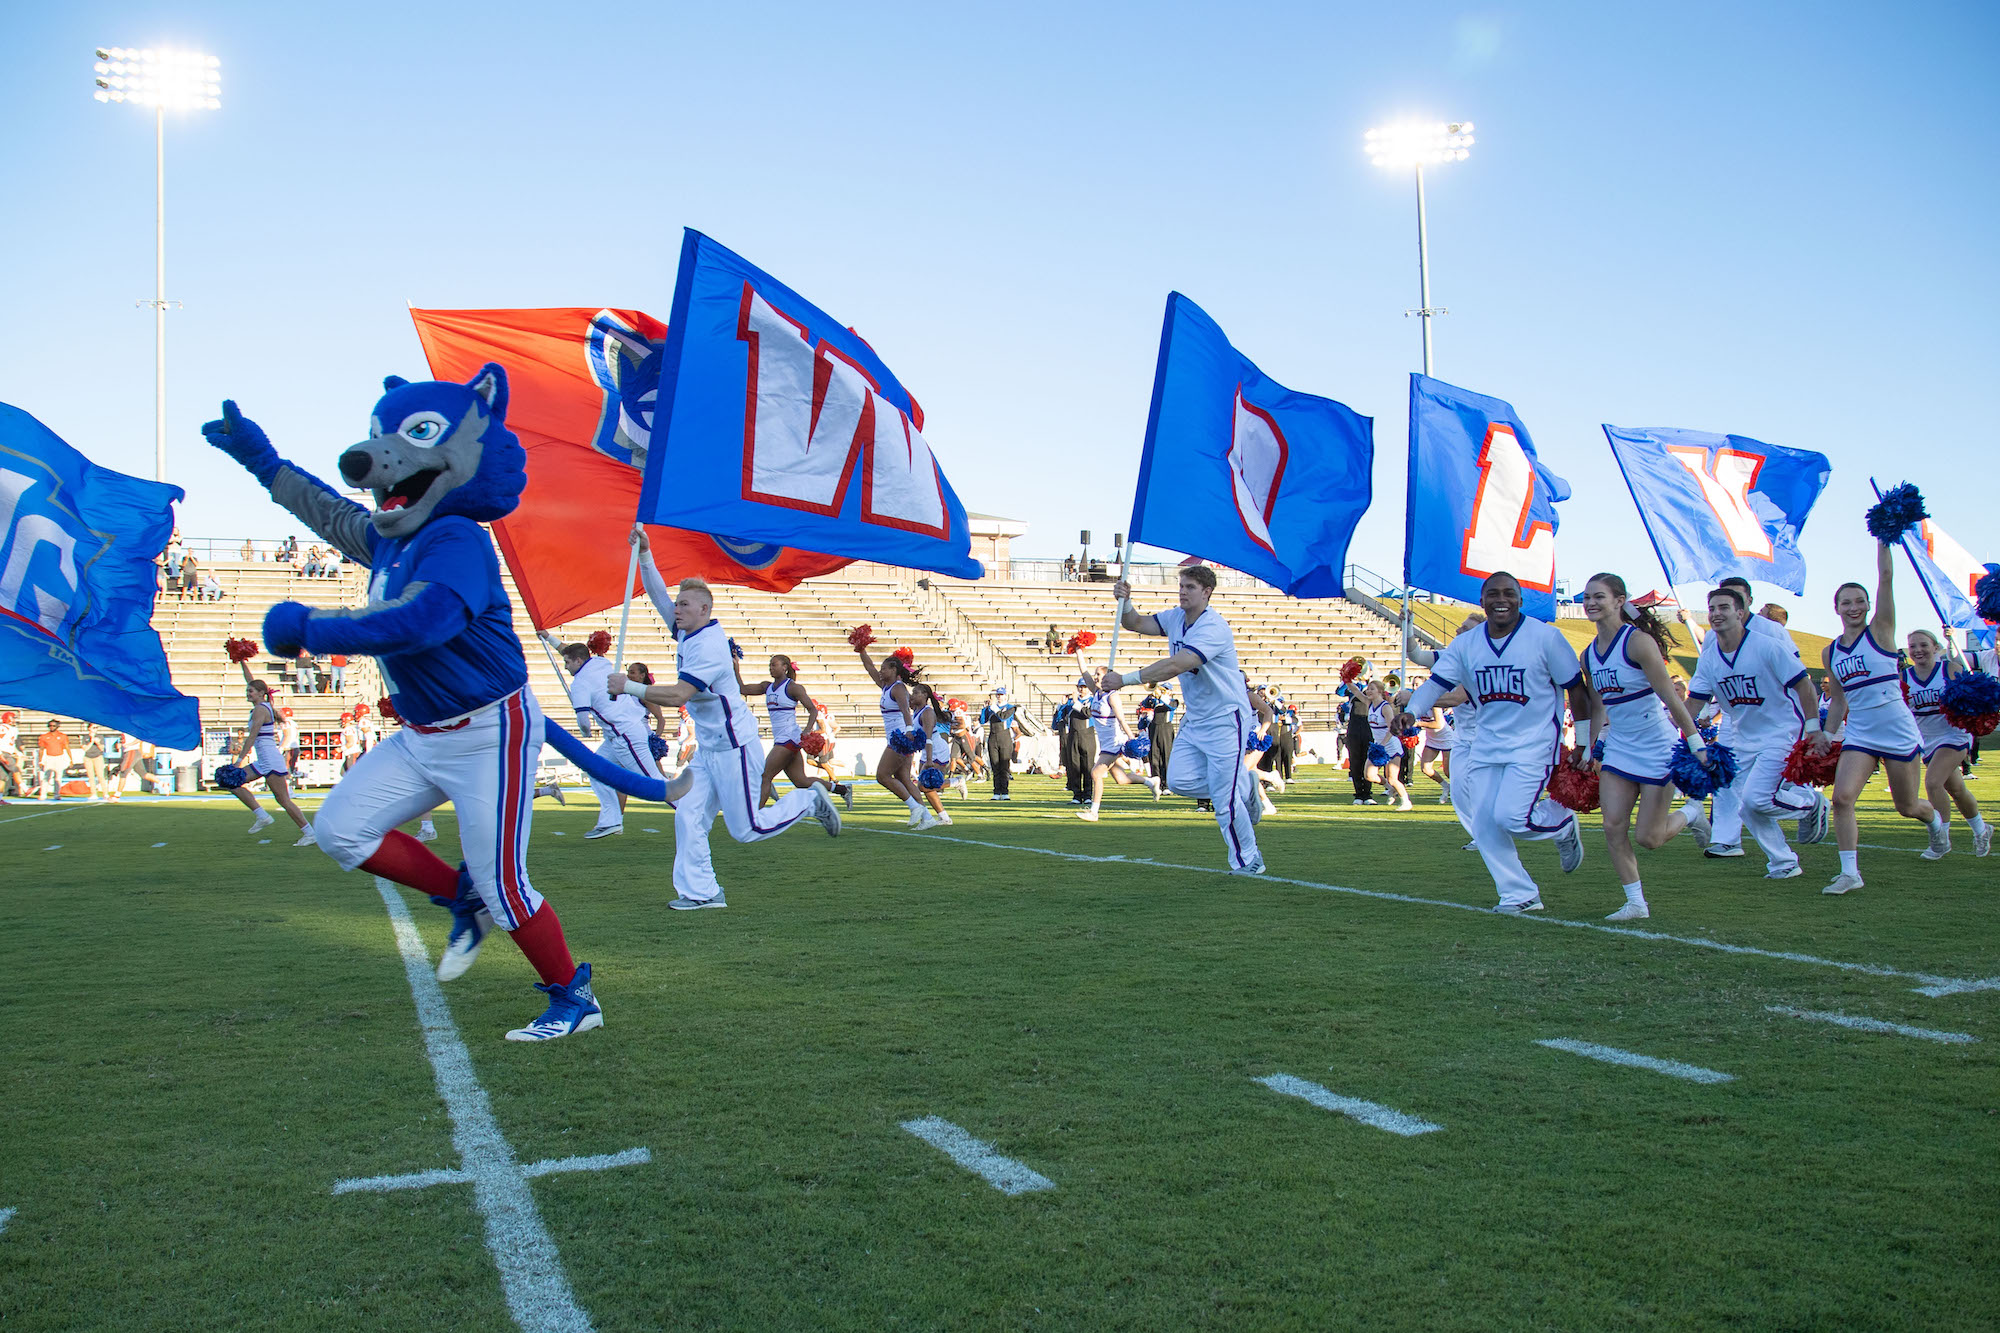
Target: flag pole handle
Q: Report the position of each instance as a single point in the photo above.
(1111, 661)
(1915, 568)
(625, 608)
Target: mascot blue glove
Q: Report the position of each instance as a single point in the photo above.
(285, 628)
(244, 440)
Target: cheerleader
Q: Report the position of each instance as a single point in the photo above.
(829, 727)
(1263, 729)
(782, 696)
(1382, 710)
(261, 736)
(656, 714)
(1434, 760)
(1107, 723)
(1865, 703)
(895, 676)
(935, 757)
(1636, 712)
(1932, 667)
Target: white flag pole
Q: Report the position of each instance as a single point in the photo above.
(625, 610)
(1124, 558)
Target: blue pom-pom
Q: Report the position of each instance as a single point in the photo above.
(1139, 747)
(735, 650)
(1709, 732)
(907, 741)
(1900, 509)
(1597, 749)
(1987, 591)
(657, 746)
(931, 779)
(1969, 697)
(1700, 781)
(1378, 755)
(230, 776)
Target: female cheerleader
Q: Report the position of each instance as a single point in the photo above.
(782, 697)
(261, 734)
(1627, 667)
(1265, 714)
(1108, 725)
(893, 771)
(1382, 710)
(656, 714)
(1864, 692)
(829, 727)
(1434, 760)
(1932, 667)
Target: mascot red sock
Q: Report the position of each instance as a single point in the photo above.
(541, 940)
(403, 860)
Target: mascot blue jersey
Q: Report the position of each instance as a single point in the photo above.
(485, 661)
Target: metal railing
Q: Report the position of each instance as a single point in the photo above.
(966, 639)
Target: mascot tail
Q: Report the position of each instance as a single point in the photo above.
(603, 770)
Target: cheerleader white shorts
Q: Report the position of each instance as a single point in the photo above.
(1639, 755)
(1888, 732)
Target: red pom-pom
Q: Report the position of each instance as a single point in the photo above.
(1573, 788)
(813, 742)
(1812, 770)
(240, 650)
(1980, 725)
(599, 643)
(907, 656)
(860, 637)
(1412, 741)
(387, 709)
(1080, 640)
(1350, 670)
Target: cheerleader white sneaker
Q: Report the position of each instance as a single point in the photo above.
(306, 837)
(263, 821)
(1940, 841)
(1843, 884)
(1569, 847)
(1792, 871)
(1982, 840)
(1630, 912)
(605, 830)
(823, 811)
(1087, 816)
(1698, 826)
(427, 832)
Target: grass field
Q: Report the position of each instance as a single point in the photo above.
(203, 1037)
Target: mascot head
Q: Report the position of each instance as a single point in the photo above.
(438, 448)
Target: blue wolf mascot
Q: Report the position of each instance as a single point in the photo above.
(440, 461)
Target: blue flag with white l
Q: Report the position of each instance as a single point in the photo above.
(77, 580)
(1717, 505)
(778, 426)
(1240, 470)
(1480, 501)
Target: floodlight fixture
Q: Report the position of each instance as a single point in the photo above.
(1411, 144)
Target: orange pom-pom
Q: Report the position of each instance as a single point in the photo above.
(1812, 770)
(813, 742)
(1351, 670)
(907, 656)
(860, 637)
(240, 650)
(1573, 788)
(599, 643)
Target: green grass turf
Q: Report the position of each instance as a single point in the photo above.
(202, 1038)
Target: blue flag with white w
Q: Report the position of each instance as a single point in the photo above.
(1717, 505)
(1240, 470)
(1480, 501)
(77, 579)
(776, 423)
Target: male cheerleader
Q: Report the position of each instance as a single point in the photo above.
(1207, 761)
(623, 721)
(1517, 671)
(728, 765)
(1768, 696)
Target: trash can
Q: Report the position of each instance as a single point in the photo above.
(185, 779)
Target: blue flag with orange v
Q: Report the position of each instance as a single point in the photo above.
(1717, 505)
(776, 423)
(1240, 470)
(1480, 501)
(77, 580)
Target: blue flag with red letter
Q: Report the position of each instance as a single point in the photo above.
(1240, 470)
(77, 579)
(776, 423)
(1717, 505)
(1480, 501)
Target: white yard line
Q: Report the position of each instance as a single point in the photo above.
(1928, 983)
(6, 1215)
(979, 1157)
(418, 1180)
(531, 1272)
(600, 1162)
(1611, 1055)
(40, 814)
(1372, 1114)
(1871, 1025)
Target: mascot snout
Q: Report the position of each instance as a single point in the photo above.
(356, 464)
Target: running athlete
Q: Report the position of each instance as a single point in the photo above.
(1440, 735)
(1934, 665)
(261, 735)
(1382, 713)
(1108, 726)
(1864, 691)
(1207, 760)
(829, 727)
(1767, 696)
(1517, 672)
(623, 722)
(936, 754)
(1725, 816)
(1264, 717)
(782, 697)
(893, 770)
(1639, 715)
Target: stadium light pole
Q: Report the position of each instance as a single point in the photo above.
(163, 81)
(1417, 145)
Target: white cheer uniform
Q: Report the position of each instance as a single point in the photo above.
(623, 721)
(1754, 686)
(1639, 732)
(1927, 706)
(1465, 723)
(1516, 684)
(1445, 738)
(1105, 724)
(728, 765)
(269, 757)
(1878, 722)
(1725, 814)
(783, 710)
(1207, 758)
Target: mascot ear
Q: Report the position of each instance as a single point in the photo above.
(397, 381)
(491, 386)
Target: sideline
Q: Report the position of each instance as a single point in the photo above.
(1930, 985)
(531, 1272)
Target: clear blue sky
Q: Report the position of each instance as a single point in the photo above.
(1778, 222)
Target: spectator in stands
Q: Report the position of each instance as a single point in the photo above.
(288, 550)
(1069, 569)
(93, 761)
(10, 756)
(308, 673)
(174, 553)
(190, 575)
(249, 551)
(1053, 641)
(211, 588)
(55, 761)
(338, 672)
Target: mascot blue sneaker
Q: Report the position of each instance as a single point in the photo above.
(440, 461)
